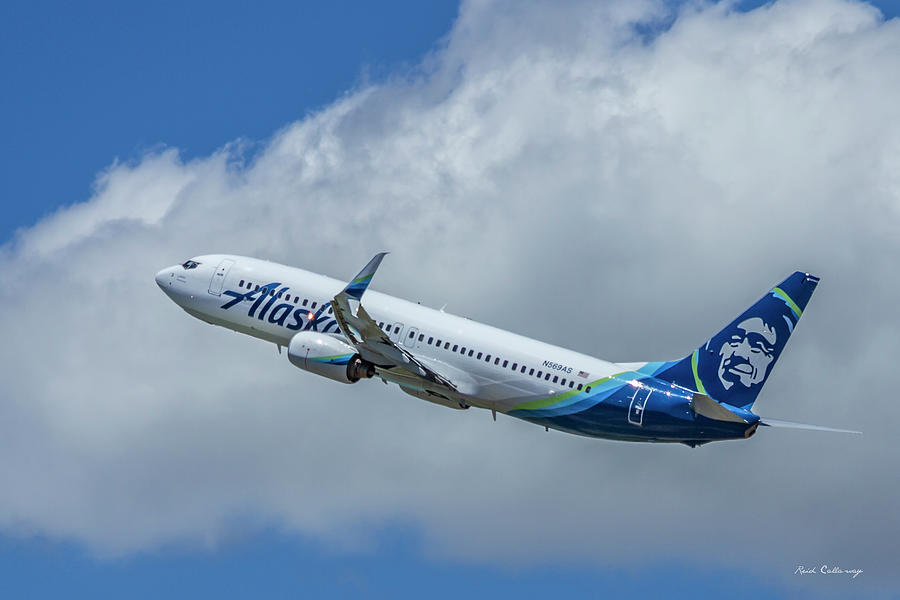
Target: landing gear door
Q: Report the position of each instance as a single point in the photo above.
(218, 278)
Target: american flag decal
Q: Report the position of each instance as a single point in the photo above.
(583, 374)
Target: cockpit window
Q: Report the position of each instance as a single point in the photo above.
(191, 264)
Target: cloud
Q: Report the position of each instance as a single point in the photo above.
(557, 172)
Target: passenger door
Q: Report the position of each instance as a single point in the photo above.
(218, 278)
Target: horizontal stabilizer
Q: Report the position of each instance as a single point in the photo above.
(792, 425)
(709, 408)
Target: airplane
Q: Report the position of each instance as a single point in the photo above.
(459, 363)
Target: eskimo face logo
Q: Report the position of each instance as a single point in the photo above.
(745, 357)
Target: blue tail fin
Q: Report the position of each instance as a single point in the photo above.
(733, 365)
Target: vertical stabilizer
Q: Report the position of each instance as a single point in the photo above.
(733, 365)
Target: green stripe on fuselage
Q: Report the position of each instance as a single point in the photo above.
(550, 401)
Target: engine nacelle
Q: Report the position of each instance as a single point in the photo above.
(328, 356)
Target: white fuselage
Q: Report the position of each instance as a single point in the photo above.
(519, 368)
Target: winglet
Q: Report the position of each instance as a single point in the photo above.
(357, 287)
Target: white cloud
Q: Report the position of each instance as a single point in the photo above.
(549, 171)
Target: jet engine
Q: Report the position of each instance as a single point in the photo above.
(328, 356)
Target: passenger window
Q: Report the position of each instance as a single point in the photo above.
(305, 301)
(539, 374)
(421, 336)
(313, 304)
(471, 352)
(257, 288)
(411, 334)
(487, 358)
(562, 383)
(272, 292)
(579, 387)
(438, 343)
(330, 309)
(547, 377)
(446, 345)
(523, 369)
(241, 284)
(555, 378)
(515, 366)
(531, 372)
(478, 356)
(455, 347)
(396, 329)
(497, 361)
(587, 389)
(571, 384)
(462, 350)
(287, 297)
(296, 299)
(505, 362)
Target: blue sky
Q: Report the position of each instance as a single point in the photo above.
(89, 83)
(274, 566)
(86, 85)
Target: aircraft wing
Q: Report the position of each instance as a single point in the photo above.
(375, 346)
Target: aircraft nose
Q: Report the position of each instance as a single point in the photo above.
(163, 276)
